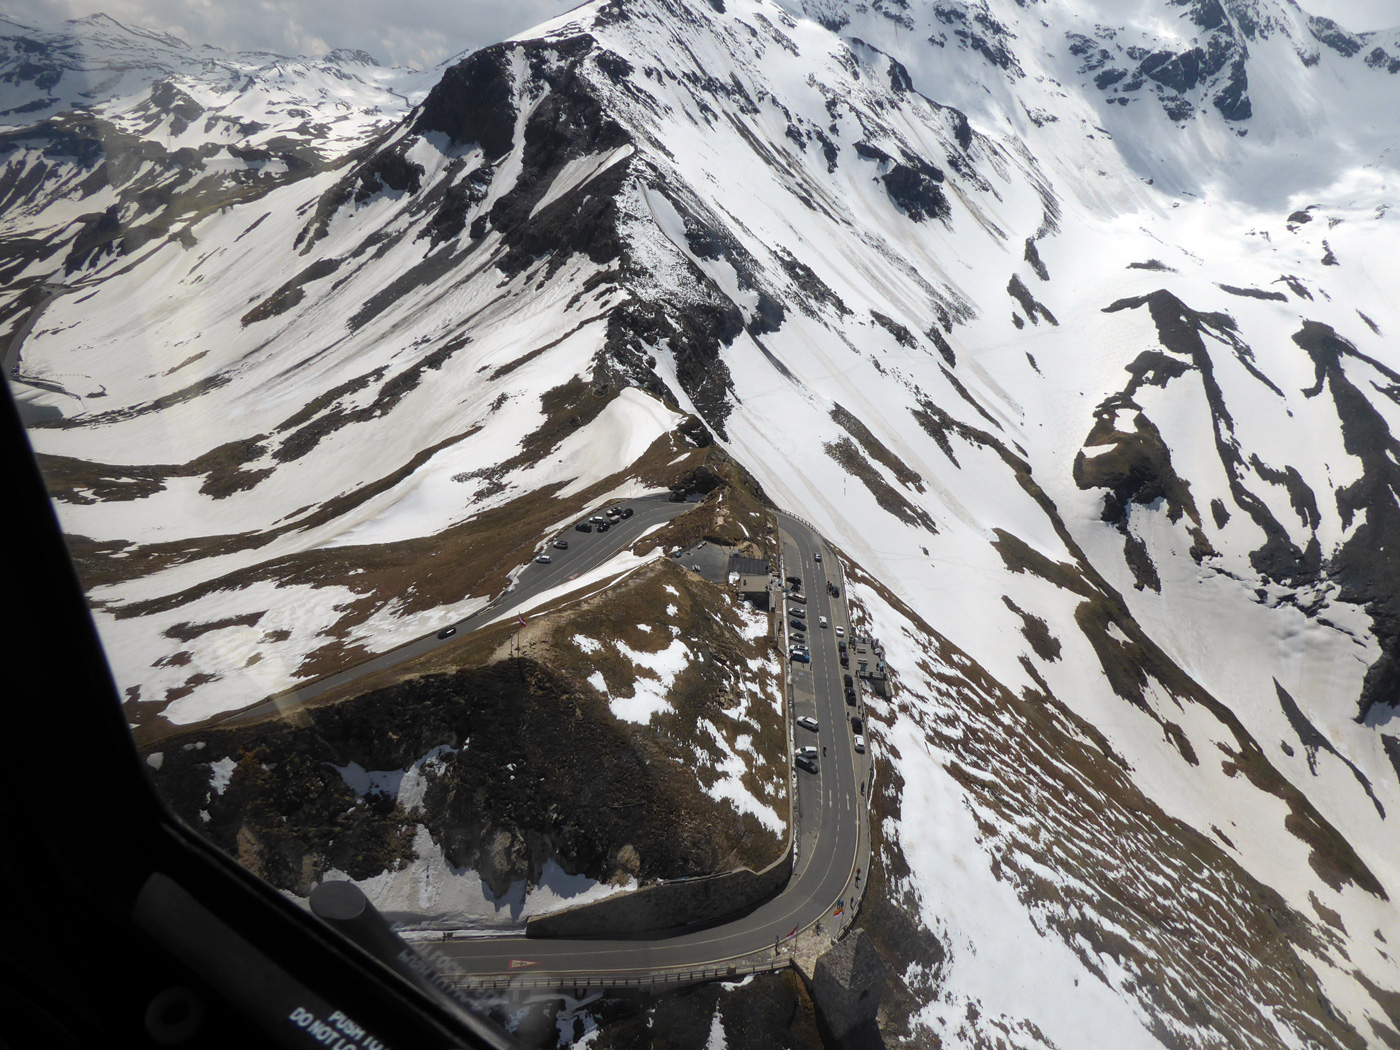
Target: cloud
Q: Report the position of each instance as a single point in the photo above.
(401, 32)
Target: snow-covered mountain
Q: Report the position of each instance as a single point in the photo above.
(1075, 335)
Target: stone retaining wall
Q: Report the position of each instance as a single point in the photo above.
(667, 905)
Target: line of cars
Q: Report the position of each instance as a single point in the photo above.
(805, 756)
(598, 522)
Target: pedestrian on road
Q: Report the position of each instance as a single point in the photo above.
(823, 751)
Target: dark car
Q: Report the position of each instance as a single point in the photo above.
(603, 526)
(626, 512)
(796, 581)
(797, 625)
(583, 526)
(849, 681)
(809, 764)
(447, 632)
(850, 698)
(857, 726)
(561, 545)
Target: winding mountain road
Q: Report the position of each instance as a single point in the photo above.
(832, 842)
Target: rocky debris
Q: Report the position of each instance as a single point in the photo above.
(847, 984)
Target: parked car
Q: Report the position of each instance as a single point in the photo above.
(598, 519)
(857, 726)
(840, 631)
(544, 559)
(447, 632)
(794, 611)
(797, 598)
(602, 526)
(849, 682)
(583, 526)
(806, 752)
(800, 656)
(859, 742)
(850, 698)
(626, 512)
(797, 625)
(796, 581)
(807, 722)
(809, 764)
(561, 545)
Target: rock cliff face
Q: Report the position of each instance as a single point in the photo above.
(1072, 334)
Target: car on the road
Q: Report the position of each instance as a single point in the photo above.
(447, 632)
(801, 656)
(840, 631)
(859, 742)
(822, 619)
(544, 559)
(561, 545)
(626, 512)
(796, 581)
(857, 726)
(809, 764)
(583, 526)
(817, 556)
(807, 722)
(602, 526)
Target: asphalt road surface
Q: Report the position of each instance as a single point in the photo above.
(832, 833)
(587, 550)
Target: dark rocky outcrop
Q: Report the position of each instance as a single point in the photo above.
(847, 984)
(474, 102)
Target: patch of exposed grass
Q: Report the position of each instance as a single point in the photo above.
(845, 452)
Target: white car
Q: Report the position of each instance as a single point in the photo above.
(840, 632)
(859, 742)
(806, 752)
(817, 556)
(823, 620)
(807, 722)
(544, 559)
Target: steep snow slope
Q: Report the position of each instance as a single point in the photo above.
(1094, 384)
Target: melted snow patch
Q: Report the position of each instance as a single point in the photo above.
(730, 785)
(406, 785)
(219, 774)
(431, 893)
(649, 693)
(588, 645)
